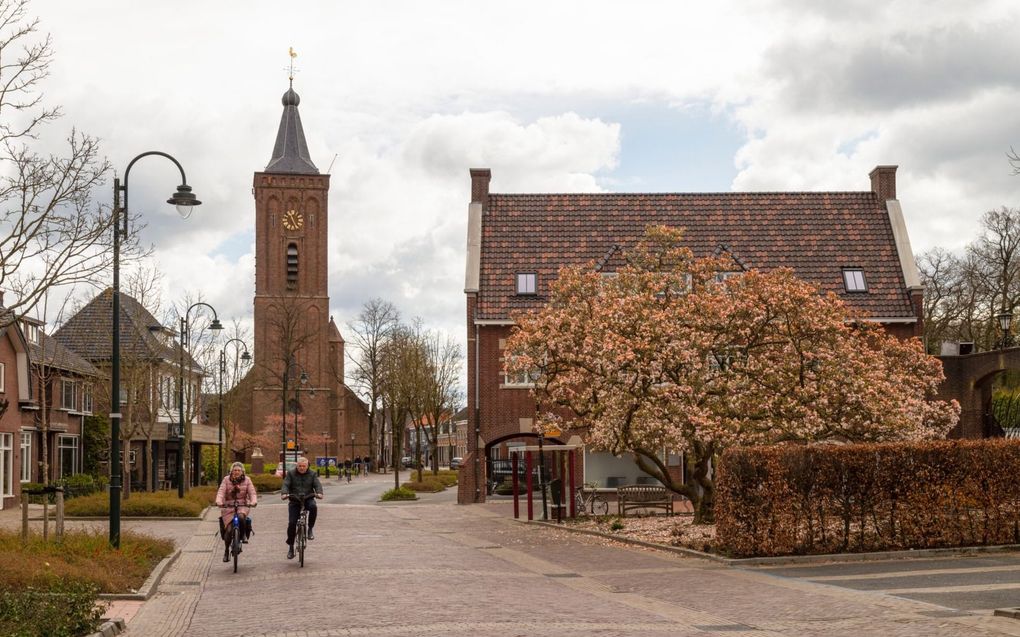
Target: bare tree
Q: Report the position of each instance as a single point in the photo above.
(443, 358)
(369, 333)
(51, 233)
(400, 357)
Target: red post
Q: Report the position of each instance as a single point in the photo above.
(573, 489)
(527, 467)
(514, 462)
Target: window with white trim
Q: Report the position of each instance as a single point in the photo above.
(26, 456)
(6, 464)
(31, 332)
(86, 398)
(67, 455)
(527, 283)
(853, 280)
(3, 371)
(69, 394)
(519, 379)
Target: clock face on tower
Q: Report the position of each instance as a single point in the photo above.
(292, 220)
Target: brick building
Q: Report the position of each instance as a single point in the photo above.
(852, 243)
(297, 344)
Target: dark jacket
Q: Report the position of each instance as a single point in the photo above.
(301, 483)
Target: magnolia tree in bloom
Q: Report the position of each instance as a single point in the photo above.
(670, 356)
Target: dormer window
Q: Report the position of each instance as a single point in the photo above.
(31, 332)
(527, 283)
(853, 280)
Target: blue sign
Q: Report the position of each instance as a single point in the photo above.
(323, 461)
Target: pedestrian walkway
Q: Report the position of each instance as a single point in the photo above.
(440, 569)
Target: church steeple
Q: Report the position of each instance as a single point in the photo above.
(290, 155)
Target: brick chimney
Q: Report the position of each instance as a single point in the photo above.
(883, 182)
(480, 178)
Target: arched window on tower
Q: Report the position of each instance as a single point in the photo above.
(292, 266)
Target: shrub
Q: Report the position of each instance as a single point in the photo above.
(160, 504)
(869, 497)
(428, 484)
(616, 525)
(506, 487)
(63, 608)
(266, 482)
(399, 494)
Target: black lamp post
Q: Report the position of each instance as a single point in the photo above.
(245, 359)
(283, 426)
(185, 200)
(352, 448)
(184, 344)
(1005, 317)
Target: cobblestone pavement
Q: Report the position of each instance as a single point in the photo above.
(427, 569)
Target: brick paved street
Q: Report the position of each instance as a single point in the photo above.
(434, 568)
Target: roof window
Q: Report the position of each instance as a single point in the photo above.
(527, 283)
(853, 280)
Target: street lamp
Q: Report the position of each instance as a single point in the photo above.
(184, 344)
(1005, 317)
(352, 448)
(245, 359)
(184, 200)
(283, 426)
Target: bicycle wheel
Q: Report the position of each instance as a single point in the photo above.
(599, 506)
(302, 530)
(579, 508)
(235, 545)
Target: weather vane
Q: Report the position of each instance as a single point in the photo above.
(291, 70)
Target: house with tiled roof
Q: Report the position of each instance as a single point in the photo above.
(150, 356)
(15, 390)
(854, 244)
(63, 386)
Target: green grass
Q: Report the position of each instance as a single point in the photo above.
(398, 494)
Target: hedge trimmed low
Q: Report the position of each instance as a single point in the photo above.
(398, 494)
(825, 498)
(160, 504)
(428, 484)
(265, 482)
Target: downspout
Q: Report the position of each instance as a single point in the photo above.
(478, 460)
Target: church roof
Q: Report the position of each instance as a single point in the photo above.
(290, 154)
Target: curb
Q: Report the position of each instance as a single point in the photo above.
(825, 558)
(1012, 613)
(110, 628)
(151, 584)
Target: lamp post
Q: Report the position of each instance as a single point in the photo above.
(185, 200)
(245, 359)
(184, 344)
(1005, 317)
(352, 448)
(283, 426)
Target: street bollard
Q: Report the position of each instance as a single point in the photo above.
(60, 514)
(24, 517)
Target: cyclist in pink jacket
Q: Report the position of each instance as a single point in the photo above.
(236, 489)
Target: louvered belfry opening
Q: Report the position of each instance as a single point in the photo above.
(292, 266)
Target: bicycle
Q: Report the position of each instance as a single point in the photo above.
(235, 532)
(301, 535)
(587, 500)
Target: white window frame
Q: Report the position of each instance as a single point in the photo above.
(75, 455)
(31, 332)
(26, 456)
(65, 384)
(526, 283)
(3, 378)
(514, 381)
(6, 464)
(854, 280)
(86, 398)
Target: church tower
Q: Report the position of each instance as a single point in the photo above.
(295, 345)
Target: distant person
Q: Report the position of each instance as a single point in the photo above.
(357, 464)
(301, 483)
(236, 488)
(347, 468)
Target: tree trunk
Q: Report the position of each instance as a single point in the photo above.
(149, 459)
(701, 493)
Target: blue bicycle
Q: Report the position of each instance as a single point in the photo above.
(236, 533)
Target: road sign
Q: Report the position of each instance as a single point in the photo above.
(323, 461)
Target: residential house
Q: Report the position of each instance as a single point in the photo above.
(15, 390)
(150, 375)
(854, 244)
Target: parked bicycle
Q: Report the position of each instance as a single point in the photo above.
(587, 500)
(236, 533)
(301, 535)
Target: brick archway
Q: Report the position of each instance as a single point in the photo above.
(969, 380)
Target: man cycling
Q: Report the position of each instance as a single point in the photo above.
(302, 483)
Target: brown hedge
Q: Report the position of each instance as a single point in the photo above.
(793, 499)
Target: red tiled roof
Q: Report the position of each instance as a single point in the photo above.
(814, 233)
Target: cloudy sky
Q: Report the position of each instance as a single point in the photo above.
(552, 96)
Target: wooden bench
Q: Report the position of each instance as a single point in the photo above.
(640, 496)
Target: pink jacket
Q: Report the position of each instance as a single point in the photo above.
(230, 493)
